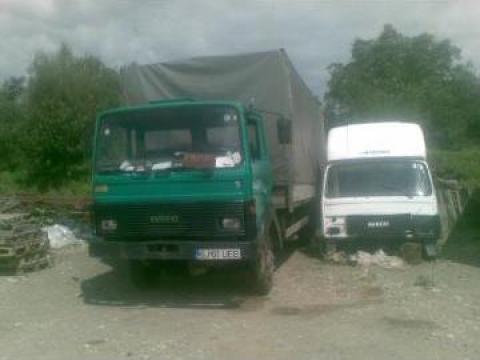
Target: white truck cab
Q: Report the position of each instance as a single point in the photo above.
(377, 184)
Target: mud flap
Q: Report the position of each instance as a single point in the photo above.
(430, 250)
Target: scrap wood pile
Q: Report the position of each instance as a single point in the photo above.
(453, 197)
(27, 235)
(23, 244)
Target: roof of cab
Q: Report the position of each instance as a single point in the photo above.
(156, 104)
(376, 140)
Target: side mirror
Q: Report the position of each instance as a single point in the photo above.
(284, 131)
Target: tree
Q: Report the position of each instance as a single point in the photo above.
(12, 116)
(64, 93)
(415, 78)
(13, 88)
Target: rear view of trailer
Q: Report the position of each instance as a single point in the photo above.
(266, 80)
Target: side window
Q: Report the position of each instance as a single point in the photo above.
(253, 141)
(114, 146)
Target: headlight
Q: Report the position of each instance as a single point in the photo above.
(109, 225)
(231, 223)
(335, 226)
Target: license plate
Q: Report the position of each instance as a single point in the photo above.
(380, 224)
(218, 254)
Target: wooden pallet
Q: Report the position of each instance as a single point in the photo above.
(24, 251)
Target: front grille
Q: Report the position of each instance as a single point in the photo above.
(383, 225)
(171, 221)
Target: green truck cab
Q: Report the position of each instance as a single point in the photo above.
(186, 178)
(195, 180)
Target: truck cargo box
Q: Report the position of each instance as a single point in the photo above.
(266, 78)
(376, 140)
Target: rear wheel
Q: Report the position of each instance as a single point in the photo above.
(142, 274)
(263, 268)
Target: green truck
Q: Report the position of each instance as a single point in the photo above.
(213, 161)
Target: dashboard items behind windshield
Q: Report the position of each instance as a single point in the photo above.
(185, 161)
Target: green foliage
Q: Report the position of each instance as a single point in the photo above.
(63, 95)
(12, 116)
(416, 78)
(462, 165)
(12, 182)
(13, 88)
(46, 120)
(9, 182)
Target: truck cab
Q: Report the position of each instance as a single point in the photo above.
(182, 180)
(377, 185)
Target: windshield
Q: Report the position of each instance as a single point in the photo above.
(382, 178)
(177, 137)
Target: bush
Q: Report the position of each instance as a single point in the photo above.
(64, 93)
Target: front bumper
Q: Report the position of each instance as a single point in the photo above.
(424, 238)
(164, 250)
(406, 227)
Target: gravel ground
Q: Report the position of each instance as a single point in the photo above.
(81, 309)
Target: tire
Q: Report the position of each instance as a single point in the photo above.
(316, 245)
(263, 268)
(141, 274)
(330, 247)
(307, 233)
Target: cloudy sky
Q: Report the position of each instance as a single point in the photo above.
(314, 33)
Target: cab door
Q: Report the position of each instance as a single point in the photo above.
(262, 180)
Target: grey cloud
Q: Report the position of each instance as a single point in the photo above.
(315, 33)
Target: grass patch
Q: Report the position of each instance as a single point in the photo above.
(461, 165)
(9, 183)
(12, 183)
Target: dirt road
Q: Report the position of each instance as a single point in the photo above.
(80, 309)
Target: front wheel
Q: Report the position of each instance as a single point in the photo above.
(263, 268)
(141, 274)
(316, 246)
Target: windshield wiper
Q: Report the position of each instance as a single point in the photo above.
(168, 171)
(207, 171)
(116, 171)
(111, 171)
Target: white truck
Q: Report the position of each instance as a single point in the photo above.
(377, 185)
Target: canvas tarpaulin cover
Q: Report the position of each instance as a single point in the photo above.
(268, 78)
